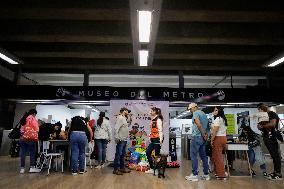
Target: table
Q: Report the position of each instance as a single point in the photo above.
(238, 147)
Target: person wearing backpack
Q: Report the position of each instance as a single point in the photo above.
(28, 140)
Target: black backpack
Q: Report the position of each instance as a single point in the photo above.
(16, 132)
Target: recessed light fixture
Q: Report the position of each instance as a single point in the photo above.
(144, 26)
(277, 62)
(143, 57)
(7, 59)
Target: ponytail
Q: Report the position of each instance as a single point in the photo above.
(101, 118)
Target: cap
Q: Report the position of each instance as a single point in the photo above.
(124, 108)
(192, 105)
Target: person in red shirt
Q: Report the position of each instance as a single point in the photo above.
(28, 140)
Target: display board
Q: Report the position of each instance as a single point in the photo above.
(140, 110)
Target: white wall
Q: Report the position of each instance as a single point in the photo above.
(180, 122)
(58, 112)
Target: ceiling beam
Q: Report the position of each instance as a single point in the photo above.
(56, 66)
(66, 38)
(167, 56)
(123, 14)
(126, 39)
(222, 16)
(64, 14)
(220, 41)
(83, 54)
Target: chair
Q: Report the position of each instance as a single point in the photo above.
(45, 157)
(89, 150)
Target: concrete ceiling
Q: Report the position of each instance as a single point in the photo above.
(197, 37)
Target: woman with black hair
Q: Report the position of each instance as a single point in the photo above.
(28, 140)
(102, 136)
(156, 136)
(77, 136)
(255, 153)
(218, 141)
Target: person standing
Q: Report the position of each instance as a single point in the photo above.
(197, 145)
(156, 136)
(28, 140)
(270, 140)
(121, 135)
(78, 140)
(218, 142)
(255, 153)
(102, 137)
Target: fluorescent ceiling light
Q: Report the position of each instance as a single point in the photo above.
(213, 105)
(143, 57)
(144, 26)
(241, 103)
(7, 59)
(279, 61)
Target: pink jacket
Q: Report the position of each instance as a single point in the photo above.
(29, 131)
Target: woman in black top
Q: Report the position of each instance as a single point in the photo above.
(78, 140)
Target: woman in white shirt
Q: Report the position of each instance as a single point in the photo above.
(218, 142)
(102, 136)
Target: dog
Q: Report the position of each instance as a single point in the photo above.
(160, 164)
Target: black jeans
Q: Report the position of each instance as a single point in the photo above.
(273, 148)
(151, 147)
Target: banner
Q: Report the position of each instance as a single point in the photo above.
(140, 114)
(231, 124)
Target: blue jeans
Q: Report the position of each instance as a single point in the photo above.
(78, 141)
(151, 147)
(28, 147)
(255, 155)
(101, 144)
(119, 155)
(197, 144)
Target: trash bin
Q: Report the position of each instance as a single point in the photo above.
(185, 146)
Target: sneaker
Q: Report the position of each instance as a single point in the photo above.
(124, 171)
(98, 166)
(22, 170)
(205, 177)
(253, 173)
(265, 174)
(221, 178)
(192, 177)
(275, 176)
(74, 173)
(34, 170)
(150, 171)
(117, 172)
(82, 171)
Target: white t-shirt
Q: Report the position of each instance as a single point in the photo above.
(222, 127)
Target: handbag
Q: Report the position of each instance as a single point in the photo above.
(16, 132)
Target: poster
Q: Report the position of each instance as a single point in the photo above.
(140, 110)
(231, 124)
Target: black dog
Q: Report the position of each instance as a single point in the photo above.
(160, 164)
